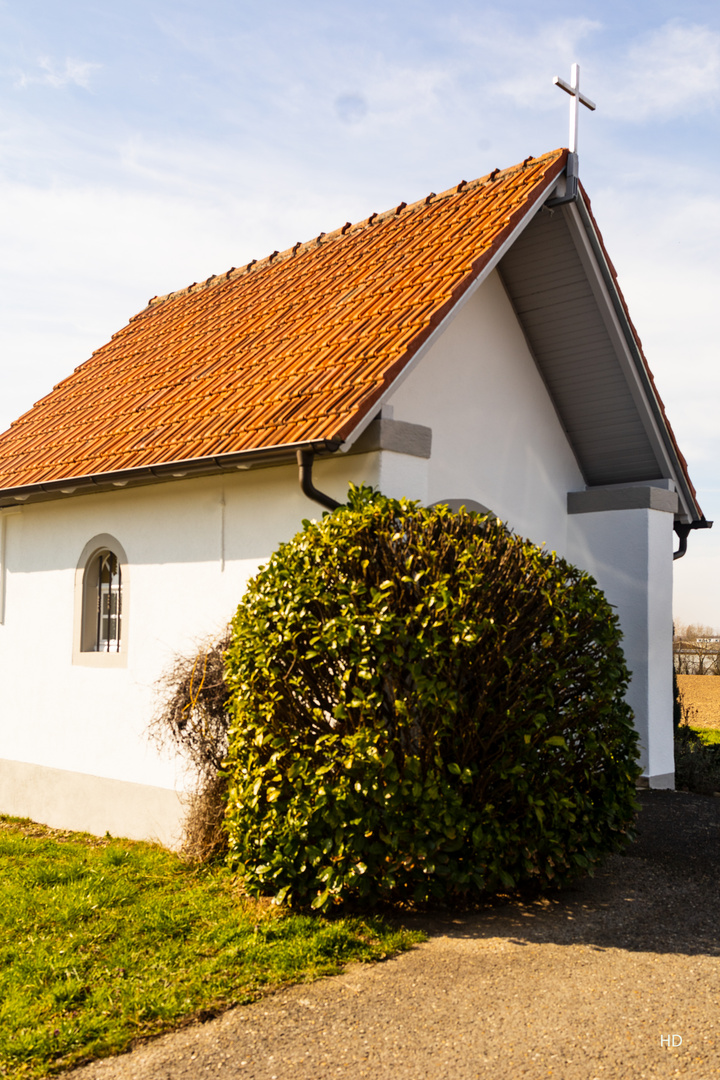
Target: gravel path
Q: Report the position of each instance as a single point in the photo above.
(593, 983)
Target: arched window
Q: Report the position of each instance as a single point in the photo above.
(101, 604)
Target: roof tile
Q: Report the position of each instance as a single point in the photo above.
(296, 347)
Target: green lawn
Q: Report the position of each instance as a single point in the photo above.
(105, 941)
(710, 736)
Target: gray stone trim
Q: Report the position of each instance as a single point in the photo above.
(71, 800)
(662, 780)
(395, 435)
(109, 660)
(600, 499)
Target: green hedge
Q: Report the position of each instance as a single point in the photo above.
(424, 706)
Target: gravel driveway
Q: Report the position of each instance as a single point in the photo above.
(618, 977)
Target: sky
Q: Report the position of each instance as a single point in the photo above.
(147, 145)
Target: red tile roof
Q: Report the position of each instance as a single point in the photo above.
(297, 348)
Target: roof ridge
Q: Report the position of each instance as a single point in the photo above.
(348, 229)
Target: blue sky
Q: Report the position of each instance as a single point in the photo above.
(147, 145)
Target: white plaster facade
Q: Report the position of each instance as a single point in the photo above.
(191, 547)
(630, 555)
(496, 437)
(75, 751)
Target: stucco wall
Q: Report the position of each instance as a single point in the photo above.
(496, 436)
(629, 552)
(191, 547)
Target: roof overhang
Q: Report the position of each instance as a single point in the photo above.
(563, 288)
(632, 360)
(163, 473)
(565, 292)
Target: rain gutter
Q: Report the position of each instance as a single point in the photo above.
(683, 529)
(163, 471)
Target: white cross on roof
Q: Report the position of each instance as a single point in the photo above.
(574, 90)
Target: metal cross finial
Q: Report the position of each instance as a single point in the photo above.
(574, 91)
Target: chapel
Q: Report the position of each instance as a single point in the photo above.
(472, 348)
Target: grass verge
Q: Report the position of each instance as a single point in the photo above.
(697, 760)
(103, 942)
(709, 736)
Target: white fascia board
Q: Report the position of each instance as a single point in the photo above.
(627, 350)
(442, 327)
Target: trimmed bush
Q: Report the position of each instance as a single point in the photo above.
(425, 706)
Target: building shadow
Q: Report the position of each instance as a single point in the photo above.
(660, 896)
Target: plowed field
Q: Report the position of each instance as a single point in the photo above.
(701, 699)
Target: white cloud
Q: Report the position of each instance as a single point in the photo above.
(664, 244)
(696, 582)
(521, 63)
(401, 94)
(84, 259)
(666, 258)
(517, 63)
(74, 73)
(671, 71)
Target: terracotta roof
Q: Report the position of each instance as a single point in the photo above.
(294, 349)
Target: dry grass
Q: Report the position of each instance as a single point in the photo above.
(701, 700)
(204, 839)
(192, 717)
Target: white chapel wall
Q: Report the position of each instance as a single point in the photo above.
(629, 553)
(496, 437)
(191, 546)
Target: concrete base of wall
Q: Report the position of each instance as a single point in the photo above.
(662, 780)
(71, 800)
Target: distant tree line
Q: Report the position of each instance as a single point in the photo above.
(696, 650)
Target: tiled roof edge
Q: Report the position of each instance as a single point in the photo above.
(344, 230)
(442, 312)
(180, 469)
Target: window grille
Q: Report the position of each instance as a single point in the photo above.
(109, 603)
(101, 609)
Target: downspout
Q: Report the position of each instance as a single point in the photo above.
(571, 184)
(305, 463)
(683, 530)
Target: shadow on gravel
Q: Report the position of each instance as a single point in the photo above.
(660, 896)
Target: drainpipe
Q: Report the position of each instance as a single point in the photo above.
(305, 464)
(683, 530)
(571, 184)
